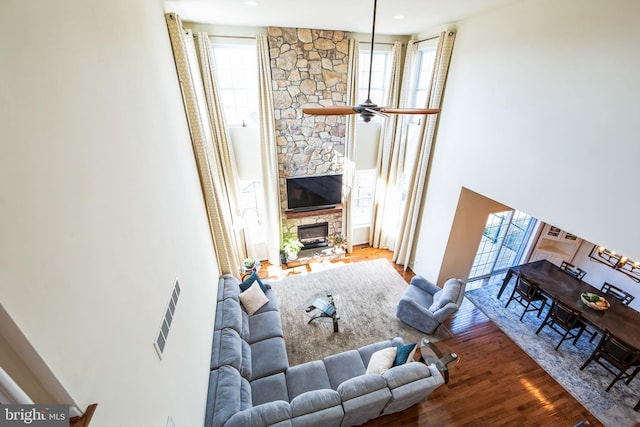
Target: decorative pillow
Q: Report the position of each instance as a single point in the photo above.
(402, 355)
(253, 299)
(249, 281)
(382, 360)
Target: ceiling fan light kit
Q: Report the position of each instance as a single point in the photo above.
(368, 109)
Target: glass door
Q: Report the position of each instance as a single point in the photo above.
(502, 245)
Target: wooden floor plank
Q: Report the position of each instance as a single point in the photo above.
(495, 383)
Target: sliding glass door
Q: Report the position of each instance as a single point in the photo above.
(502, 245)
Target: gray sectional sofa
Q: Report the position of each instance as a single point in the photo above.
(252, 384)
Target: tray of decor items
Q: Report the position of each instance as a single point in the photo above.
(594, 301)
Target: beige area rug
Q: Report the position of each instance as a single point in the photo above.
(368, 294)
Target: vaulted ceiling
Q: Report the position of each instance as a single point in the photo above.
(351, 15)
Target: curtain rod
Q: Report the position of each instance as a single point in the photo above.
(232, 37)
(427, 39)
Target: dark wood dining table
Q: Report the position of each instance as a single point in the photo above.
(623, 321)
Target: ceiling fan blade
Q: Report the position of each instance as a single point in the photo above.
(410, 110)
(330, 111)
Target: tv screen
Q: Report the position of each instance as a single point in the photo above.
(314, 192)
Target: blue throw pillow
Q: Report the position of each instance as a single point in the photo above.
(403, 354)
(249, 281)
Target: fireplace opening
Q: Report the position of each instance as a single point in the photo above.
(314, 235)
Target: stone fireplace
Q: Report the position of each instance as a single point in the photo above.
(314, 235)
(308, 68)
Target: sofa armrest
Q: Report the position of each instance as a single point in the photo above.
(425, 285)
(408, 373)
(444, 312)
(261, 415)
(424, 311)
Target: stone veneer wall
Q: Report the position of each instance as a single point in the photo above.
(308, 68)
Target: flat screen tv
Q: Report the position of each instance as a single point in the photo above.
(314, 192)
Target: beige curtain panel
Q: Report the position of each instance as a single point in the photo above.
(211, 149)
(409, 220)
(348, 172)
(388, 195)
(269, 155)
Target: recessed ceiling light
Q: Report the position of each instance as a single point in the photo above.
(398, 17)
(251, 3)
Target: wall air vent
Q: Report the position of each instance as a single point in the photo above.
(165, 325)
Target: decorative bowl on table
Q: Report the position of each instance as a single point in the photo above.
(594, 301)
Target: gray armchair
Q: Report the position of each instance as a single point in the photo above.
(425, 306)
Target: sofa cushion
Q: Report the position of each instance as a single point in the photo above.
(224, 399)
(272, 305)
(268, 389)
(276, 414)
(268, 357)
(382, 360)
(361, 385)
(228, 315)
(226, 349)
(342, 366)
(245, 331)
(368, 350)
(317, 408)
(363, 398)
(264, 325)
(253, 278)
(409, 384)
(306, 377)
(245, 366)
(253, 298)
(227, 287)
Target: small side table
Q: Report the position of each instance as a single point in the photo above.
(244, 271)
(439, 354)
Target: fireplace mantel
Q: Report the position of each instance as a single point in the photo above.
(292, 214)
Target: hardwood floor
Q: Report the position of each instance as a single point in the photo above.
(494, 383)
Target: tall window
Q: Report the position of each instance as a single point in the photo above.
(236, 69)
(237, 77)
(425, 60)
(380, 75)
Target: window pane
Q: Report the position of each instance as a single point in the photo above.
(380, 76)
(424, 75)
(363, 199)
(237, 78)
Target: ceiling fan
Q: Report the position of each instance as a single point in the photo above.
(367, 109)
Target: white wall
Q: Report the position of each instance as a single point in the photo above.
(540, 113)
(101, 210)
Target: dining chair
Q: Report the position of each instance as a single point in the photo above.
(617, 293)
(619, 357)
(571, 269)
(526, 293)
(564, 320)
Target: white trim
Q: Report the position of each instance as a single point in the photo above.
(10, 392)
